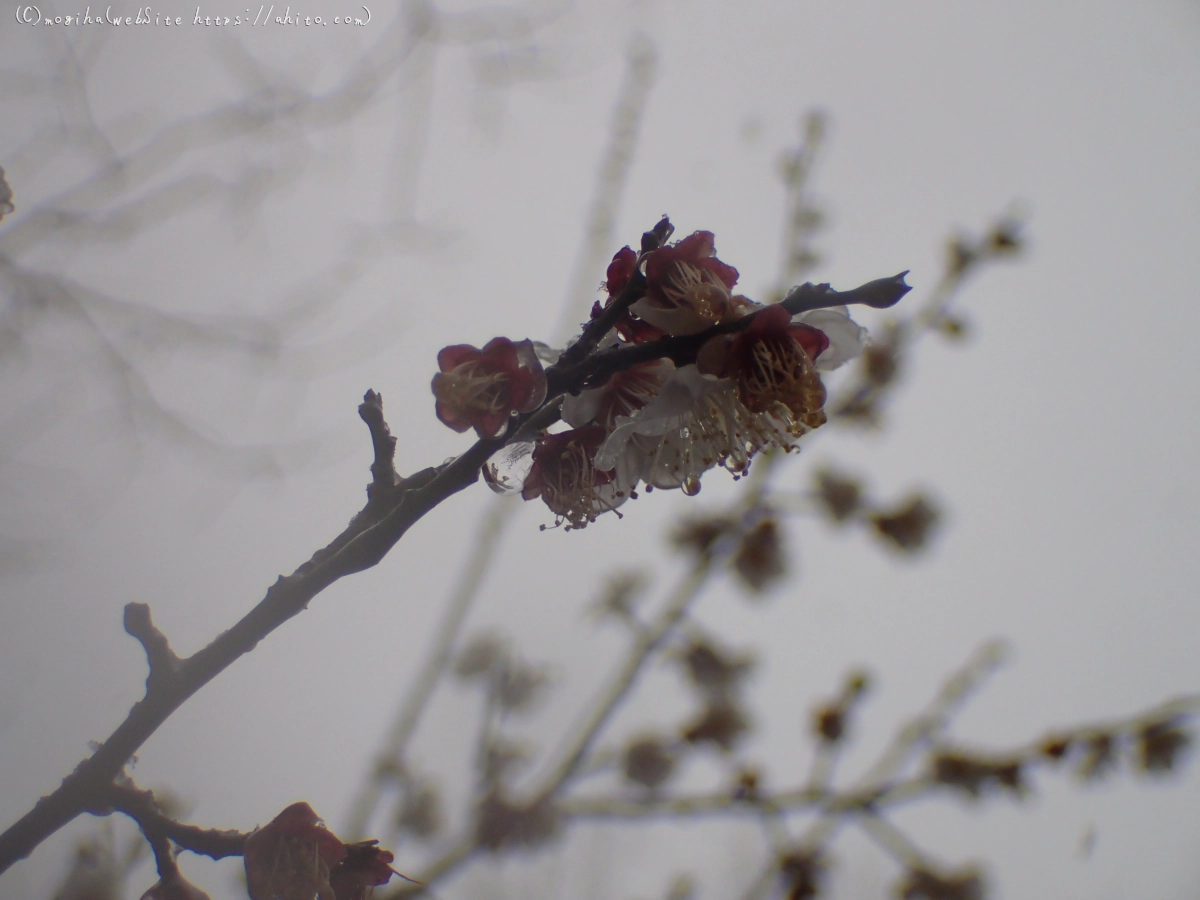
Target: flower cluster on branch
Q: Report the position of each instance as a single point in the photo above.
(674, 375)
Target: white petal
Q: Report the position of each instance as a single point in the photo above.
(672, 321)
(846, 337)
(547, 354)
(673, 408)
(579, 411)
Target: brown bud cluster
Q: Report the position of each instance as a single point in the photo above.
(1161, 745)
(420, 815)
(501, 824)
(721, 724)
(621, 593)
(649, 762)
(760, 560)
(974, 775)
(1099, 757)
(515, 685)
(715, 671)
(840, 495)
(699, 534)
(907, 527)
(830, 720)
(801, 873)
(924, 884)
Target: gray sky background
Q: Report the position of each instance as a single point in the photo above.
(1061, 438)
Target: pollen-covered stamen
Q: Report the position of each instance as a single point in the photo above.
(697, 290)
(480, 389)
(630, 390)
(687, 288)
(772, 364)
(569, 488)
(565, 476)
(779, 371)
(470, 386)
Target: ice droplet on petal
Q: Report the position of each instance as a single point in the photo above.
(691, 486)
(506, 469)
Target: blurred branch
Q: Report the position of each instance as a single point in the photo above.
(867, 794)
(623, 132)
(624, 129)
(368, 538)
(928, 726)
(390, 511)
(880, 365)
(487, 539)
(646, 642)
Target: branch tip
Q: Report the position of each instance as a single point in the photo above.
(162, 660)
(383, 469)
(882, 293)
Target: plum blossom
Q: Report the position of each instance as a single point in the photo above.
(565, 476)
(846, 338)
(688, 289)
(364, 868)
(694, 423)
(771, 363)
(621, 395)
(630, 328)
(295, 857)
(480, 389)
(747, 391)
(666, 421)
(291, 857)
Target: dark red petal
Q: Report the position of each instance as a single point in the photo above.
(660, 265)
(499, 355)
(455, 355)
(451, 417)
(699, 249)
(491, 425)
(773, 321)
(619, 270)
(697, 246)
(299, 820)
(727, 273)
(813, 340)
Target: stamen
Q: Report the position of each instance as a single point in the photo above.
(698, 291)
(780, 373)
(570, 487)
(469, 386)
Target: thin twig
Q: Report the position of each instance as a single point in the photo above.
(483, 549)
(928, 725)
(362, 545)
(646, 642)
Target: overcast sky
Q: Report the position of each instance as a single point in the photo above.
(1060, 437)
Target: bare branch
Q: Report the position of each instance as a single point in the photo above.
(143, 808)
(163, 662)
(368, 538)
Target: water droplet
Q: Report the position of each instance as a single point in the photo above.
(506, 470)
(691, 485)
(685, 432)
